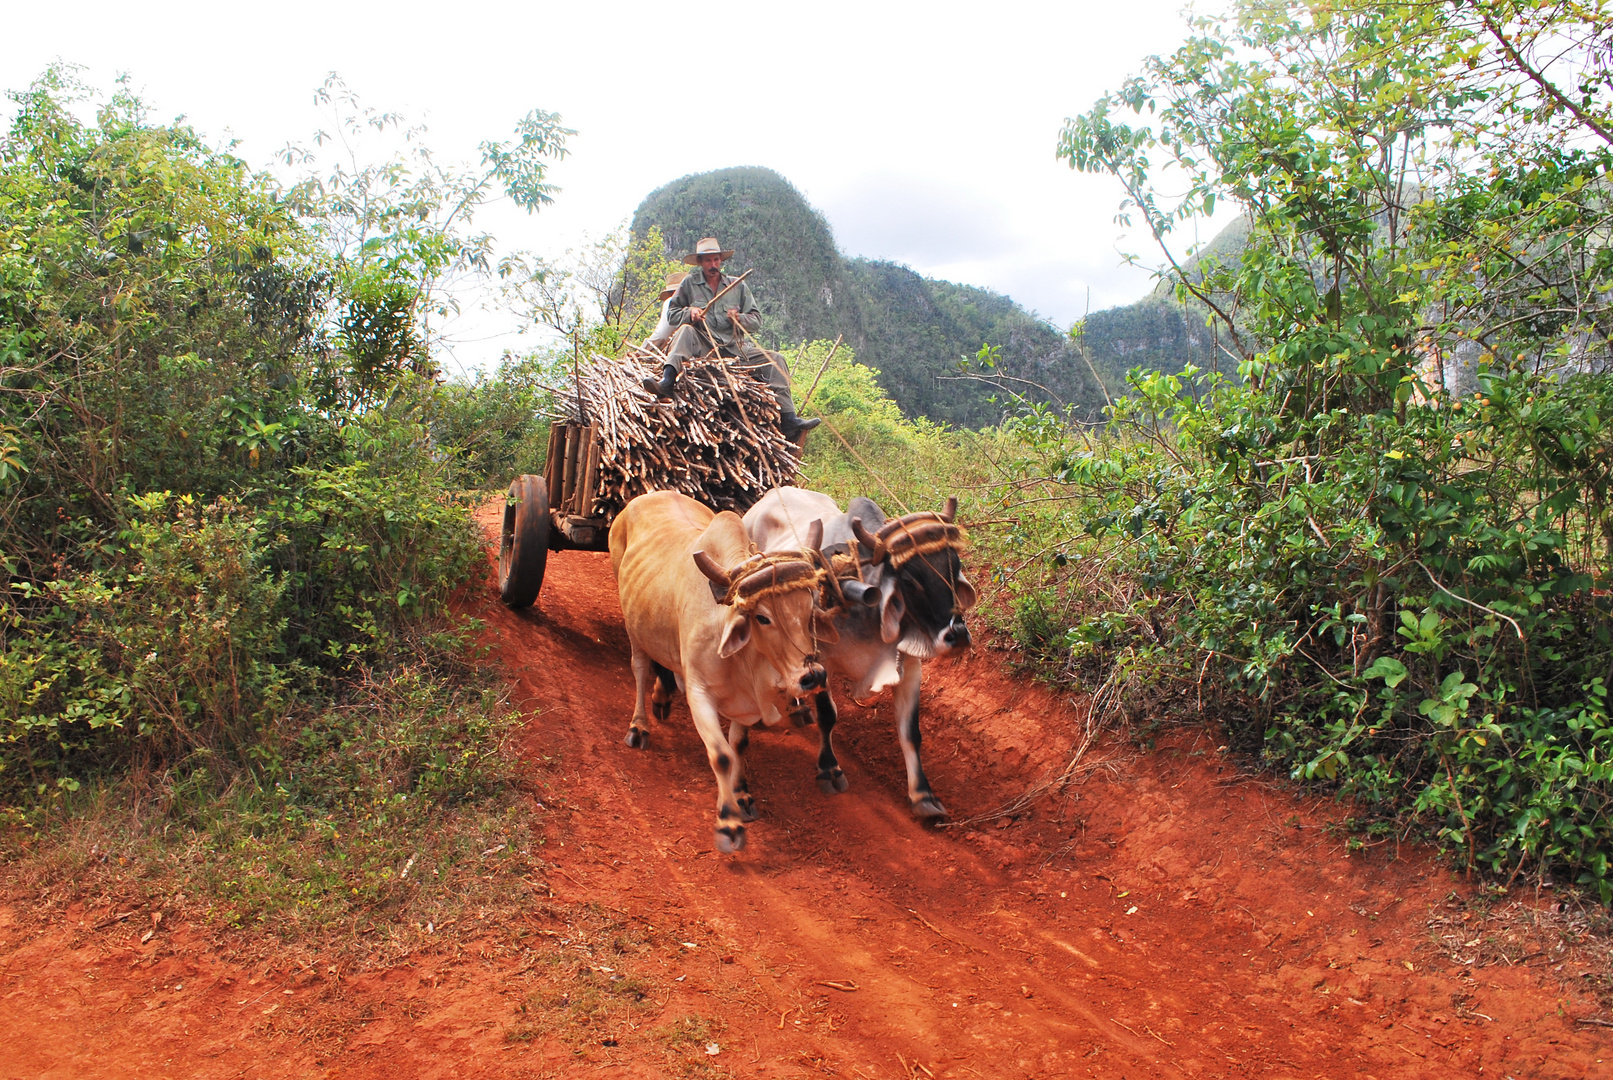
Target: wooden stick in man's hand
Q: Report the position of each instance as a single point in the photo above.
(720, 292)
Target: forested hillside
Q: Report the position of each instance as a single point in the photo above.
(1160, 332)
(914, 330)
(1156, 333)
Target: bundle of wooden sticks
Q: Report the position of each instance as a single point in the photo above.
(718, 441)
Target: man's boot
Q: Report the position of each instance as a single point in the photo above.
(664, 388)
(792, 425)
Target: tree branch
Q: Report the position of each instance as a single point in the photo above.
(1540, 80)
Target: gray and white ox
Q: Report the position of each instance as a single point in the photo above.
(906, 596)
(737, 631)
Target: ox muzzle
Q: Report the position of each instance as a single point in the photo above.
(814, 678)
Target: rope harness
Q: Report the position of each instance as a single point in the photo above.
(846, 566)
(899, 541)
(762, 576)
(918, 535)
(914, 536)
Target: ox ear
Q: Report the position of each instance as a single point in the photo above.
(735, 634)
(823, 627)
(965, 593)
(814, 536)
(891, 609)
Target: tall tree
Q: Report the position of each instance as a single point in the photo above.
(1384, 543)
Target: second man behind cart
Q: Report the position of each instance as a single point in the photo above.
(696, 332)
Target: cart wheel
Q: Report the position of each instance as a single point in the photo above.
(523, 550)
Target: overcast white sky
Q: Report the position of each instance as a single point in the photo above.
(923, 131)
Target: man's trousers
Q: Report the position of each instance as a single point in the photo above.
(689, 343)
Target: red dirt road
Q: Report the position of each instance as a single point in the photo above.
(1172, 919)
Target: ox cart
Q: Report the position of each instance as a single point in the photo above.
(610, 440)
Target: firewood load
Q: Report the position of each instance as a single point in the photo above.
(718, 441)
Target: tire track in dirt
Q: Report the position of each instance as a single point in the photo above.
(775, 892)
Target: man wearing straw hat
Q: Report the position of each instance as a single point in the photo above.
(662, 334)
(699, 332)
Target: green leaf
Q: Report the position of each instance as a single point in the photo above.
(1390, 670)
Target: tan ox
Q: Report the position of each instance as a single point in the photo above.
(738, 632)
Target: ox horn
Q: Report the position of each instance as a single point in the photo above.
(708, 566)
(859, 592)
(870, 542)
(950, 510)
(815, 555)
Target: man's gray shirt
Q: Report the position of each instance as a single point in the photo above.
(695, 293)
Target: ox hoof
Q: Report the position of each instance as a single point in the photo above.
(833, 781)
(929, 808)
(747, 810)
(637, 737)
(730, 838)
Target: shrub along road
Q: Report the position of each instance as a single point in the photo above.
(1170, 917)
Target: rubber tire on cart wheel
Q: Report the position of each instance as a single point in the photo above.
(523, 549)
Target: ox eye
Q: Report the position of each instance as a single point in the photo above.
(764, 620)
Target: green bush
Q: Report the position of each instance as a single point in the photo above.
(368, 545)
(1382, 556)
(382, 807)
(495, 422)
(223, 498)
(1404, 622)
(57, 700)
(172, 646)
(187, 626)
(867, 447)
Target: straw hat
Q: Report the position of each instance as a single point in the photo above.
(708, 246)
(672, 283)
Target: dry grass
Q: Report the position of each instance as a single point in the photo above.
(388, 823)
(1568, 936)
